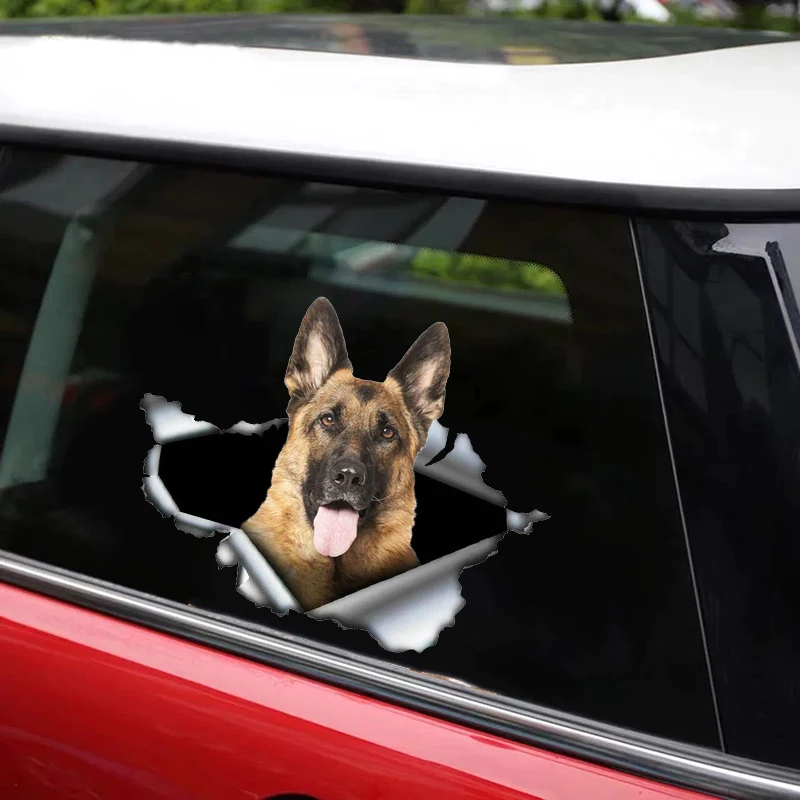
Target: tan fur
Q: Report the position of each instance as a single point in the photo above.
(280, 527)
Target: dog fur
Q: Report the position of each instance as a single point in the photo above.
(336, 418)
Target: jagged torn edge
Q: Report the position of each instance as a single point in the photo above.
(434, 459)
(187, 426)
(169, 423)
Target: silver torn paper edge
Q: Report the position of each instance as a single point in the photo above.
(407, 612)
(170, 423)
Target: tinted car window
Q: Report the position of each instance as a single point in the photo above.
(724, 313)
(125, 279)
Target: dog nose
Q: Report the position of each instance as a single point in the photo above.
(349, 474)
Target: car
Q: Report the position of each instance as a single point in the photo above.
(606, 219)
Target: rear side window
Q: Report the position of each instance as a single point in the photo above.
(128, 280)
(722, 300)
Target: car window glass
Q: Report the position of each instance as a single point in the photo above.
(191, 284)
(722, 298)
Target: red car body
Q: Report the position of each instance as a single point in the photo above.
(94, 707)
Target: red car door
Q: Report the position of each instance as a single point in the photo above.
(93, 707)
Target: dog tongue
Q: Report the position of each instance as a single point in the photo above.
(334, 530)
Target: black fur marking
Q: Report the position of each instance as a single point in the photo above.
(374, 475)
(381, 491)
(311, 486)
(366, 392)
(380, 485)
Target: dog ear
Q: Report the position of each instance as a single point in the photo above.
(422, 375)
(319, 351)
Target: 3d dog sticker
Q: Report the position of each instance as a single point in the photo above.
(335, 535)
(340, 511)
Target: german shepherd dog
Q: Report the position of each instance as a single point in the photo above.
(340, 509)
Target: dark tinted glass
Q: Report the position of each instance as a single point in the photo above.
(122, 279)
(723, 307)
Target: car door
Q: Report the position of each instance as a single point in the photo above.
(136, 660)
(96, 707)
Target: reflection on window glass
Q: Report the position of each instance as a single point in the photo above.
(495, 273)
(723, 303)
(190, 284)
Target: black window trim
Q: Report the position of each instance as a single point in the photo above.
(739, 205)
(687, 766)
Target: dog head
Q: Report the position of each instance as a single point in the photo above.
(352, 443)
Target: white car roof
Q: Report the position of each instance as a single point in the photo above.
(719, 121)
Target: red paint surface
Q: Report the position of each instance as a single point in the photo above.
(92, 708)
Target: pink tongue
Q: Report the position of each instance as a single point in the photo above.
(335, 530)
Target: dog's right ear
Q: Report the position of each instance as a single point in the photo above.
(422, 376)
(319, 351)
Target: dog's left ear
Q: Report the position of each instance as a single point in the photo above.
(422, 375)
(319, 351)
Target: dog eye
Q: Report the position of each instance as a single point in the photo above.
(327, 420)
(388, 432)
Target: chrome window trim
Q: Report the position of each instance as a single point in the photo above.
(648, 756)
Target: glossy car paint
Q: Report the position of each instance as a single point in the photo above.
(93, 707)
(682, 132)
